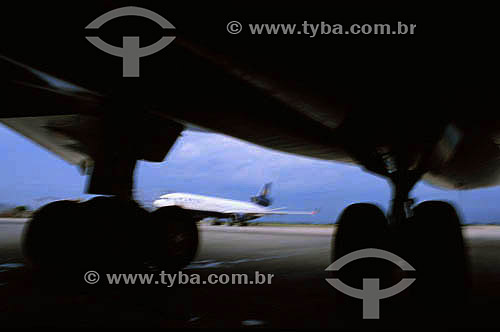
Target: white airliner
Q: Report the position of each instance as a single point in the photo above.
(237, 211)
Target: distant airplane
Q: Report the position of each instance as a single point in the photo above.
(236, 211)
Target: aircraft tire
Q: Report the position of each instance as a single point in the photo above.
(101, 234)
(360, 226)
(176, 239)
(432, 242)
(39, 241)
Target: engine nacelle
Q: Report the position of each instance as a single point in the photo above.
(243, 217)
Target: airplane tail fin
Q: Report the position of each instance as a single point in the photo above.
(265, 190)
(262, 197)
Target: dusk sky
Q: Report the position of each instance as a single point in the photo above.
(217, 165)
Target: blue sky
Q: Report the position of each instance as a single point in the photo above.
(217, 165)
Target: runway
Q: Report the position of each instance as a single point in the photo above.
(297, 296)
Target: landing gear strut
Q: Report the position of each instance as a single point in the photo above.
(402, 183)
(113, 233)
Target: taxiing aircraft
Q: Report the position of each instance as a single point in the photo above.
(237, 211)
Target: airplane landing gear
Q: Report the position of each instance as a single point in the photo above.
(102, 233)
(108, 234)
(360, 226)
(432, 242)
(175, 239)
(428, 237)
(47, 233)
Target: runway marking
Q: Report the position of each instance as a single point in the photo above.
(322, 231)
(9, 266)
(204, 261)
(252, 322)
(210, 263)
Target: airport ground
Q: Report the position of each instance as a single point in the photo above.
(298, 295)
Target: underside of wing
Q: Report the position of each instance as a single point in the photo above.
(339, 104)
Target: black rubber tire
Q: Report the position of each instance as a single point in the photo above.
(45, 235)
(116, 234)
(432, 242)
(176, 239)
(360, 226)
(102, 234)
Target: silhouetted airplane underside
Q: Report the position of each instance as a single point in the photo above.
(402, 107)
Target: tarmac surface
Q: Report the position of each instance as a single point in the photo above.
(296, 295)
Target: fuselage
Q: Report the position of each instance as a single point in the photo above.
(207, 203)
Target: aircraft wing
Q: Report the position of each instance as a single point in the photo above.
(293, 212)
(69, 120)
(270, 212)
(349, 99)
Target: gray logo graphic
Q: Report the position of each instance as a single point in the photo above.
(371, 294)
(130, 52)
